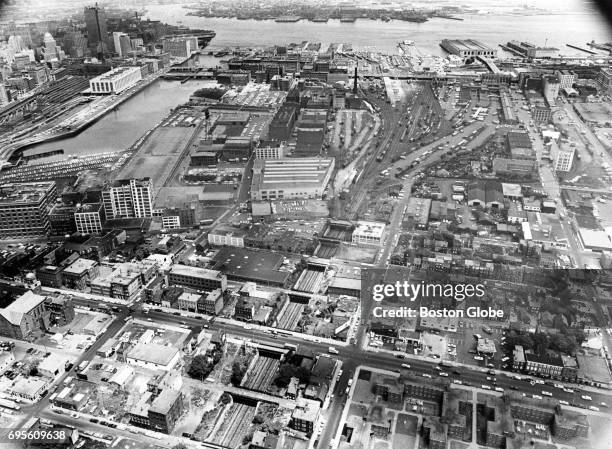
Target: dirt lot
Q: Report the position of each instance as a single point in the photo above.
(158, 155)
(356, 254)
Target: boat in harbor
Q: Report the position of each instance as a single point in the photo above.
(288, 19)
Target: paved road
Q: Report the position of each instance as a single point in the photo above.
(351, 356)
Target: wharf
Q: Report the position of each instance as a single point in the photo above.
(581, 49)
(74, 130)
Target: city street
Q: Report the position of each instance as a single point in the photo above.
(351, 356)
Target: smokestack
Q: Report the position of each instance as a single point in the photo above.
(355, 82)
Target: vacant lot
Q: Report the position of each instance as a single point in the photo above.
(356, 253)
(158, 156)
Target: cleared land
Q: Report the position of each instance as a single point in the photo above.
(158, 156)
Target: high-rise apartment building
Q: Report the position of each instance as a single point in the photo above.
(24, 209)
(128, 198)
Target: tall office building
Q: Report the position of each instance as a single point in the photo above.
(97, 34)
(123, 44)
(52, 50)
(24, 209)
(75, 44)
(128, 198)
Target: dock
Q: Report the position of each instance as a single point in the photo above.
(512, 50)
(34, 156)
(604, 47)
(576, 47)
(444, 16)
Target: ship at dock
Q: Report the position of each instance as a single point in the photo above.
(413, 17)
(288, 19)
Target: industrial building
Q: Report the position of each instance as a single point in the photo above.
(467, 48)
(115, 81)
(290, 178)
(245, 265)
(550, 88)
(531, 51)
(128, 198)
(24, 209)
(271, 152)
(227, 236)
(197, 278)
(368, 233)
(89, 218)
(180, 47)
(562, 156)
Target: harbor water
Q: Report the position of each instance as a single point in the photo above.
(557, 29)
(119, 129)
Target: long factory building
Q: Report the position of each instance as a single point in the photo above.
(289, 178)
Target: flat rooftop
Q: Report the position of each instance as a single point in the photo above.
(258, 266)
(466, 45)
(153, 353)
(519, 140)
(88, 207)
(24, 193)
(115, 73)
(79, 266)
(372, 229)
(276, 174)
(186, 270)
(164, 402)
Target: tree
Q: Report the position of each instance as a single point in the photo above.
(287, 371)
(258, 419)
(200, 367)
(237, 374)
